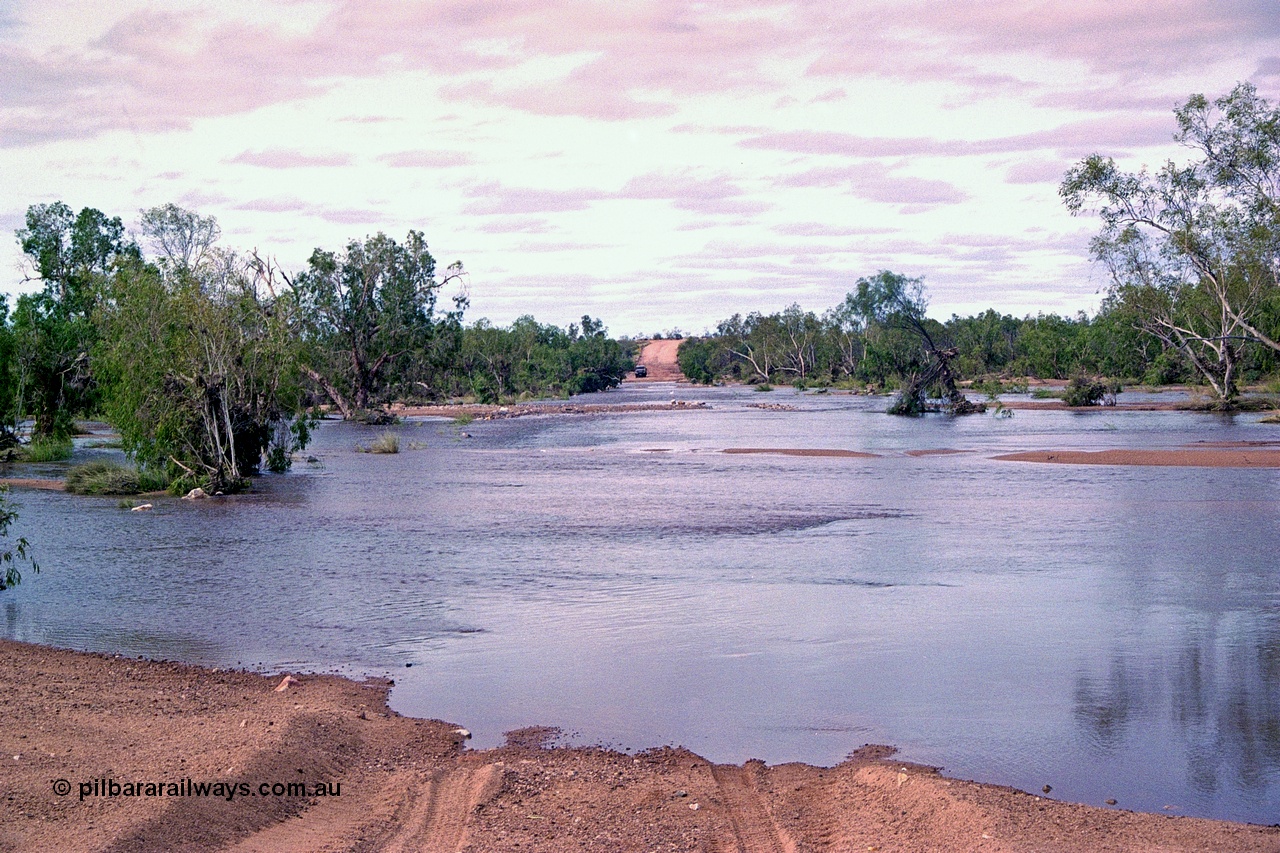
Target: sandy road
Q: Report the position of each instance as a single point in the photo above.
(660, 358)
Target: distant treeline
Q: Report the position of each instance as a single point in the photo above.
(851, 345)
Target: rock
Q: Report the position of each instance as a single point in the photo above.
(285, 682)
(694, 807)
(1047, 788)
(1111, 802)
(682, 793)
(140, 508)
(462, 733)
(195, 494)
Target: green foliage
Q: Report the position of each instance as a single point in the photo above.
(53, 329)
(1192, 249)
(47, 450)
(198, 368)
(1085, 391)
(15, 552)
(371, 331)
(529, 359)
(387, 442)
(702, 360)
(764, 386)
(102, 477)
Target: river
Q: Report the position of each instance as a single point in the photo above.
(1113, 632)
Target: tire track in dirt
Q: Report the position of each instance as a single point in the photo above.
(439, 817)
(754, 830)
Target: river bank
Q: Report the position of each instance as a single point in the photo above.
(85, 722)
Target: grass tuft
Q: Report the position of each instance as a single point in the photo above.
(47, 450)
(387, 442)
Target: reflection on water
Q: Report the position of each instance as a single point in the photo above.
(1112, 632)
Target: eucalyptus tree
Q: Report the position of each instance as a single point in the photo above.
(1194, 249)
(893, 307)
(370, 317)
(73, 255)
(199, 366)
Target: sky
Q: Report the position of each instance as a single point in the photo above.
(656, 164)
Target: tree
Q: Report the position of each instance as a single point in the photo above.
(1194, 249)
(370, 317)
(889, 303)
(10, 386)
(19, 551)
(53, 329)
(199, 368)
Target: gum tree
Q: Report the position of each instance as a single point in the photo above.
(1194, 249)
(370, 317)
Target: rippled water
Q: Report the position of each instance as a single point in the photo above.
(1113, 632)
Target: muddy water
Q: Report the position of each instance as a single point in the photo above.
(1112, 632)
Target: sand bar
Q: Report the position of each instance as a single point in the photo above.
(1206, 458)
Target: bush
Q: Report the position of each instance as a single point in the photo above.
(47, 450)
(387, 442)
(1084, 391)
(103, 478)
(764, 386)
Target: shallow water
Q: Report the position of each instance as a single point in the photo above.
(1113, 632)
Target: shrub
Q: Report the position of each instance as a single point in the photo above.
(764, 386)
(1084, 391)
(387, 442)
(103, 478)
(47, 450)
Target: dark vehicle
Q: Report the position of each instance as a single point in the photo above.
(641, 371)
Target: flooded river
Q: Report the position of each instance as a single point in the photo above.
(1111, 631)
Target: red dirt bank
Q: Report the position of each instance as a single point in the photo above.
(410, 785)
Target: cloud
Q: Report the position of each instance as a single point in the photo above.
(159, 70)
(1038, 171)
(289, 158)
(279, 204)
(352, 216)
(1084, 135)
(873, 182)
(494, 198)
(712, 195)
(516, 225)
(426, 159)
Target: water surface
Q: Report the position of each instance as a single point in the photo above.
(1113, 632)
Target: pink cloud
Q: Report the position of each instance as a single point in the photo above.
(279, 204)
(1080, 136)
(158, 70)
(822, 229)
(495, 198)
(874, 183)
(426, 159)
(715, 195)
(289, 158)
(352, 216)
(516, 225)
(1036, 172)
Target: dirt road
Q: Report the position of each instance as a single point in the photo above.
(660, 358)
